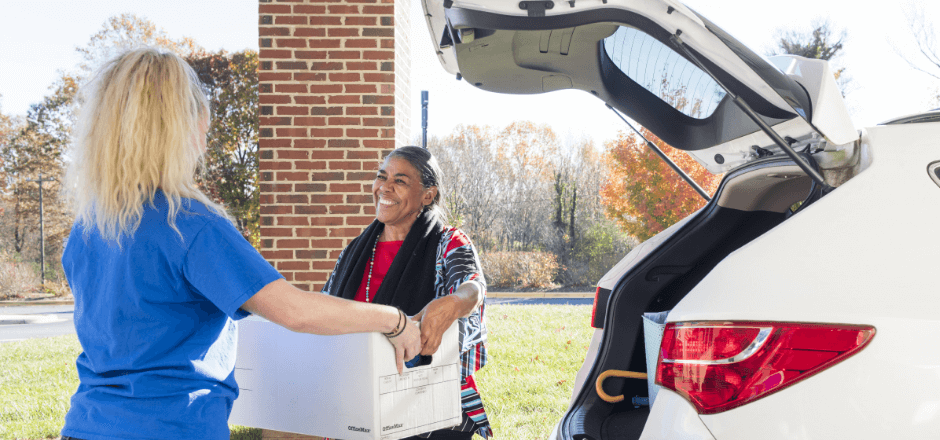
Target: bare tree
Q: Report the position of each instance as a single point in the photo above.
(470, 187)
(524, 151)
(578, 174)
(923, 53)
(496, 183)
(523, 189)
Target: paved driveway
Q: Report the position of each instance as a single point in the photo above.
(26, 322)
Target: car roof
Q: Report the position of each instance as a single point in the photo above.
(916, 118)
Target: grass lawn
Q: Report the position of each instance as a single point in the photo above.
(37, 377)
(534, 353)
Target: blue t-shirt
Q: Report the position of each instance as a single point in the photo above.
(156, 320)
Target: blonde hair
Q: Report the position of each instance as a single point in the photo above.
(138, 128)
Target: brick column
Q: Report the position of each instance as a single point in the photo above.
(334, 99)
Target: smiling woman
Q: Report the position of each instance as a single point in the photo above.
(401, 195)
(408, 258)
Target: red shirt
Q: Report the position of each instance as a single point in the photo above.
(385, 252)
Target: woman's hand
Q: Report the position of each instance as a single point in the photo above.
(436, 318)
(440, 314)
(407, 344)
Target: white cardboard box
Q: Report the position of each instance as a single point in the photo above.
(344, 387)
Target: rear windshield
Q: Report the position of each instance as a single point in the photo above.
(663, 72)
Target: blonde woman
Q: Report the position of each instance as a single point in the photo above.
(158, 271)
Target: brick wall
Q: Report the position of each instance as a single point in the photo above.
(334, 99)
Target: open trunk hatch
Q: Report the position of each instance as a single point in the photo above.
(620, 51)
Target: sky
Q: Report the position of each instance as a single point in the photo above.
(884, 85)
(38, 38)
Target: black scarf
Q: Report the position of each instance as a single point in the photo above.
(409, 283)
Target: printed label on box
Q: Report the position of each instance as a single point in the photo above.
(430, 392)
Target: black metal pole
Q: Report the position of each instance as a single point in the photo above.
(42, 239)
(424, 119)
(665, 158)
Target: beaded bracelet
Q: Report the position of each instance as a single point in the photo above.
(400, 328)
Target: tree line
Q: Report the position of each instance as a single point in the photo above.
(517, 189)
(37, 144)
(523, 189)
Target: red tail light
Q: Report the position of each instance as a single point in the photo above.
(599, 311)
(720, 366)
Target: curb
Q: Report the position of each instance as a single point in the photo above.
(38, 302)
(559, 295)
(28, 319)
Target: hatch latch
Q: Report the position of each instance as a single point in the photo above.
(536, 8)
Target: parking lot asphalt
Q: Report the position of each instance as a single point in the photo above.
(21, 320)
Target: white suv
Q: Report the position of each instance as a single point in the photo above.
(801, 301)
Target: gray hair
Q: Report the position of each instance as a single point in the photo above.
(430, 173)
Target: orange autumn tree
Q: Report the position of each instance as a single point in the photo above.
(643, 194)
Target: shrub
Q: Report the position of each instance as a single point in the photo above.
(596, 249)
(16, 277)
(519, 269)
(57, 285)
(600, 248)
